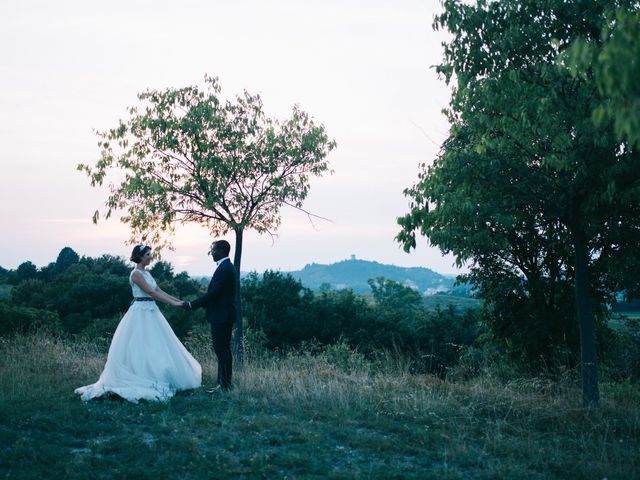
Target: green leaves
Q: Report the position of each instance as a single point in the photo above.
(612, 59)
(525, 166)
(185, 155)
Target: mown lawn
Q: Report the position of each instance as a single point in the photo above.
(301, 416)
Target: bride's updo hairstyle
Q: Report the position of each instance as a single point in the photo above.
(138, 252)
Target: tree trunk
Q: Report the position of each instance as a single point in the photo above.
(590, 395)
(238, 347)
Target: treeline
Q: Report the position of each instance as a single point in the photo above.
(392, 318)
(82, 295)
(87, 297)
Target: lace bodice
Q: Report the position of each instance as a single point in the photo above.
(135, 289)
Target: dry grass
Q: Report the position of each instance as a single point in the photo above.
(329, 415)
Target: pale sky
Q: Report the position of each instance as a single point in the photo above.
(361, 68)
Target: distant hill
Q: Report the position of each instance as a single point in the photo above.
(355, 273)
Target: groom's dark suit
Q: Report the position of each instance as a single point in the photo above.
(220, 303)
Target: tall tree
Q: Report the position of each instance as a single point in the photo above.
(613, 60)
(26, 271)
(527, 188)
(187, 156)
(66, 258)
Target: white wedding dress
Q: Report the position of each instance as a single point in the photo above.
(146, 361)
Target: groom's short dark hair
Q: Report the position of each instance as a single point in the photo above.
(223, 246)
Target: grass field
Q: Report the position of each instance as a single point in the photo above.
(331, 415)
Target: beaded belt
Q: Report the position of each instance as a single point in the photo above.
(143, 299)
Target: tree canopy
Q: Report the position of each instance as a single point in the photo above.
(186, 155)
(527, 189)
(613, 60)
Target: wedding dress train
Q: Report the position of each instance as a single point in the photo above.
(146, 361)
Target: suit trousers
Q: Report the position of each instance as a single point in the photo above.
(221, 336)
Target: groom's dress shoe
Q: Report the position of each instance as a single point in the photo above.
(219, 389)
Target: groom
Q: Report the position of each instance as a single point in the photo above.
(220, 303)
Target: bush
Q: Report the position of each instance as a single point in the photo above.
(394, 319)
(440, 337)
(483, 360)
(20, 319)
(278, 305)
(84, 291)
(623, 360)
(344, 357)
(100, 330)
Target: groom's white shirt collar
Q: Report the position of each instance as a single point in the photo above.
(222, 260)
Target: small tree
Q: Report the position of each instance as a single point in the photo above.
(187, 156)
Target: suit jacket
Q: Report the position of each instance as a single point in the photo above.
(220, 299)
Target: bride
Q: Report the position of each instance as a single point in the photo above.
(146, 361)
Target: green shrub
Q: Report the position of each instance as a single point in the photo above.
(21, 319)
(100, 330)
(622, 362)
(344, 357)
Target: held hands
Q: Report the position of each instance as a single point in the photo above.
(176, 302)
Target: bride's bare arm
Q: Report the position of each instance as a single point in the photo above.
(154, 293)
(169, 296)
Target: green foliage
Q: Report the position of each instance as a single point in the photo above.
(4, 276)
(99, 331)
(188, 156)
(613, 60)
(336, 314)
(77, 295)
(107, 264)
(21, 319)
(432, 339)
(394, 319)
(162, 271)
(395, 296)
(460, 303)
(181, 322)
(66, 258)
(534, 323)
(527, 190)
(26, 271)
(90, 295)
(278, 305)
(344, 358)
(623, 360)
(5, 291)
